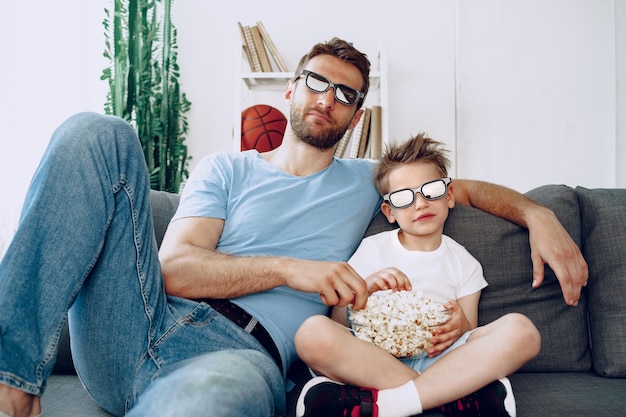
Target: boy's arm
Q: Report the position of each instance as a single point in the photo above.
(549, 241)
(469, 307)
(464, 318)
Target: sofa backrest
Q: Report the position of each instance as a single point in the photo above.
(603, 214)
(503, 250)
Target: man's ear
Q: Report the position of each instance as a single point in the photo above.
(356, 118)
(289, 91)
(386, 209)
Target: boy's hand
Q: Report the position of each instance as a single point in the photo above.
(449, 332)
(388, 279)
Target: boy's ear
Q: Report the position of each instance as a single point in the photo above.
(386, 209)
(450, 196)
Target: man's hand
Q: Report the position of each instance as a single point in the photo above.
(549, 241)
(551, 244)
(337, 283)
(192, 268)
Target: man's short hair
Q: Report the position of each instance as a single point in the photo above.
(346, 52)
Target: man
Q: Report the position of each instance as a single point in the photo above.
(271, 232)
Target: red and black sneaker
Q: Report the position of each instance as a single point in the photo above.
(493, 400)
(323, 397)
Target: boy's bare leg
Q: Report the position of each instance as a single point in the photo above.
(16, 403)
(492, 352)
(331, 350)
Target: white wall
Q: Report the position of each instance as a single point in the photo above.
(419, 47)
(51, 65)
(620, 50)
(525, 92)
(536, 92)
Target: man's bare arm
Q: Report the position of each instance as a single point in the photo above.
(192, 268)
(549, 241)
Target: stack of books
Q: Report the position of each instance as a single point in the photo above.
(260, 50)
(365, 140)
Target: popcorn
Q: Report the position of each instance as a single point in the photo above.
(400, 322)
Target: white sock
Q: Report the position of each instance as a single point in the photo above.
(402, 401)
(3, 414)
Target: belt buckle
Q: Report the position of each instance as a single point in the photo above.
(251, 325)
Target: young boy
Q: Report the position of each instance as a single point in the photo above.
(417, 194)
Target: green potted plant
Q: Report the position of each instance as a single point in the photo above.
(140, 43)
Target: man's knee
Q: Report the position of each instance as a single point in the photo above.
(229, 383)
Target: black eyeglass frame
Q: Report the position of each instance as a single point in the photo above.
(418, 190)
(306, 73)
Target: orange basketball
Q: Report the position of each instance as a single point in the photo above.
(262, 128)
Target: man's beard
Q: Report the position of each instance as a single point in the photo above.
(314, 135)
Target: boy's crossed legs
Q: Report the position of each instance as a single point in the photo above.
(492, 352)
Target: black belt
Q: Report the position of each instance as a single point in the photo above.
(246, 321)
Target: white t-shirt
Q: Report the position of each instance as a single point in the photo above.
(447, 273)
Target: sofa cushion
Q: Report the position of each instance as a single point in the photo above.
(604, 247)
(504, 252)
(64, 364)
(568, 394)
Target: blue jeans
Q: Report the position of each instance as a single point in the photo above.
(85, 242)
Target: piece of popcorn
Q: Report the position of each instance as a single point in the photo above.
(400, 322)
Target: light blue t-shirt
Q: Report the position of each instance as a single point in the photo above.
(269, 212)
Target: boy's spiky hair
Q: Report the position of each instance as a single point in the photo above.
(419, 148)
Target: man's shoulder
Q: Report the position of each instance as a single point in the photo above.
(225, 161)
(360, 165)
(357, 162)
(230, 156)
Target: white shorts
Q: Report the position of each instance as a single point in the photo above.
(422, 361)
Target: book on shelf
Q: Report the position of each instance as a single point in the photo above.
(248, 56)
(365, 140)
(340, 150)
(376, 132)
(356, 139)
(244, 45)
(250, 48)
(273, 51)
(264, 59)
(259, 48)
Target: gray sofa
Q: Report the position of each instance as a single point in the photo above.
(581, 370)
